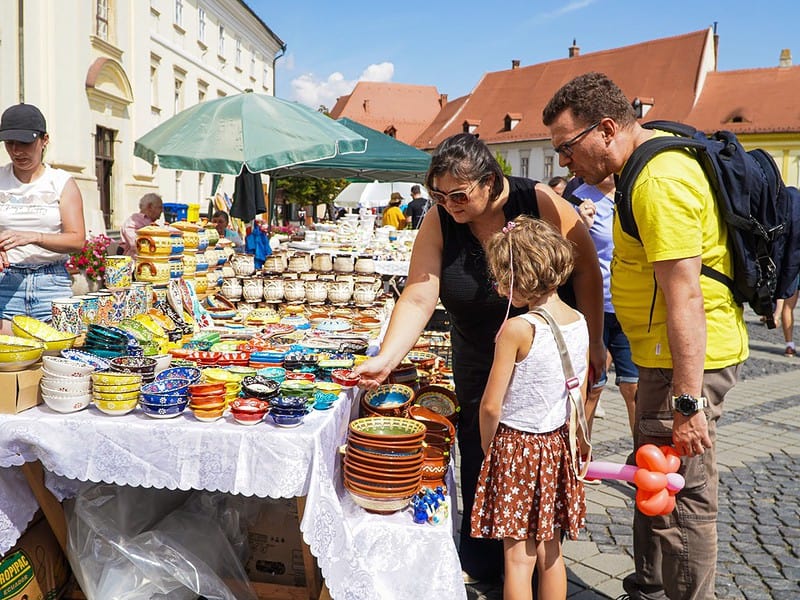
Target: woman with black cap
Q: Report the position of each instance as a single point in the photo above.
(41, 220)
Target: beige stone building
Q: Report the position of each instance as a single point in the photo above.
(105, 72)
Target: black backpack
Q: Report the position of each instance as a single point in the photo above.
(762, 214)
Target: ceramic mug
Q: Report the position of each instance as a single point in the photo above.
(232, 288)
(273, 289)
(322, 262)
(253, 289)
(243, 264)
(68, 314)
(88, 309)
(118, 272)
(104, 314)
(316, 291)
(340, 292)
(294, 290)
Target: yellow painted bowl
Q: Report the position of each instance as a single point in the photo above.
(53, 339)
(18, 352)
(113, 407)
(151, 325)
(217, 374)
(109, 378)
(115, 396)
(116, 389)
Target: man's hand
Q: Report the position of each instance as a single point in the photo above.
(690, 434)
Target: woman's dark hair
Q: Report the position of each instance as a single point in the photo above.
(466, 158)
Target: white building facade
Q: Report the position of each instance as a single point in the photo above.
(105, 72)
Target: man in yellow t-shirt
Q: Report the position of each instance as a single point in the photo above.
(687, 335)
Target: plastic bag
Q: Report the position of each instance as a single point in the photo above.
(129, 543)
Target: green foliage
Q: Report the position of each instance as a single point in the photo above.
(503, 163)
(308, 190)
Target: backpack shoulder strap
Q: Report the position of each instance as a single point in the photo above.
(640, 157)
(681, 129)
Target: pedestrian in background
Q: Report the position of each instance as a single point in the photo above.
(150, 208)
(558, 183)
(417, 208)
(393, 215)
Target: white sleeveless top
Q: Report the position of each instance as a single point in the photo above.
(33, 206)
(536, 400)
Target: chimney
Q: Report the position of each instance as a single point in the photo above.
(514, 63)
(442, 100)
(574, 50)
(786, 58)
(366, 105)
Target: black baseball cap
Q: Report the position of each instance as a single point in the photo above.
(22, 123)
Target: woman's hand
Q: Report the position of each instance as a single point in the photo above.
(587, 211)
(4, 264)
(11, 238)
(373, 372)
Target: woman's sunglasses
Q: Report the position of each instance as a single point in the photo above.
(456, 197)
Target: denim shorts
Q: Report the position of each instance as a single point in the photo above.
(620, 350)
(30, 290)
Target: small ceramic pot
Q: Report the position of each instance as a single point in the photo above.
(232, 288)
(153, 241)
(322, 262)
(105, 307)
(300, 262)
(294, 290)
(343, 263)
(273, 289)
(340, 292)
(316, 292)
(365, 264)
(243, 264)
(213, 236)
(118, 271)
(150, 270)
(253, 289)
(274, 264)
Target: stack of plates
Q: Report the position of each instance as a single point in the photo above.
(105, 342)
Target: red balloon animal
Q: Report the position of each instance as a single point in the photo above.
(655, 476)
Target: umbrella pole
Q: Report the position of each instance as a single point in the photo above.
(271, 203)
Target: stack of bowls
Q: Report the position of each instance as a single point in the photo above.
(85, 358)
(166, 398)
(388, 400)
(105, 342)
(232, 381)
(17, 353)
(241, 359)
(249, 411)
(406, 374)
(66, 385)
(277, 374)
(191, 373)
(207, 401)
(263, 359)
(54, 340)
(257, 386)
(141, 365)
(383, 462)
(288, 411)
(440, 436)
(326, 394)
(116, 393)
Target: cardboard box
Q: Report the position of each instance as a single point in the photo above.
(36, 567)
(275, 543)
(20, 390)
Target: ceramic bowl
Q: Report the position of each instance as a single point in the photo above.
(286, 420)
(53, 339)
(389, 474)
(190, 373)
(423, 360)
(67, 404)
(116, 389)
(163, 399)
(14, 349)
(207, 416)
(173, 385)
(134, 364)
(383, 505)
(208, 402)
(115, 396)
(162, 411)
(384, 461)
(434, 422)
(394, 429)
(260, 387)
(440, 400)
(211, 388)
(86, 358)
(298, 387)
(64, 367)
(345, 377)
(114, 378)
(296, 403)
(275, 373)
(66, 387)
(248, 411)
(162, 361)
(389, 399)
(217, 374)
(377, 480)
(115, 408)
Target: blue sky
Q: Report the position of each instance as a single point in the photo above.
(450, 44)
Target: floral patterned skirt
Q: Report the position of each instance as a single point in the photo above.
(527, 488)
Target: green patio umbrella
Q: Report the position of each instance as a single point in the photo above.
(253, 131)
(386, 159)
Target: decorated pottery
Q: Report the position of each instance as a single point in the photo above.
(316, 292)
(273, 289)
(67, 314)
(253, 289)
(232, 288)
(243, 264)
(118, 270)
(151, 270)
(294, 290)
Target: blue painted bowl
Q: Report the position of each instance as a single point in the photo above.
(86, 358)
(289, 402)
(190, 373)
(160, 411)
(390, 396)
(163, 399)
(174, 385)
(286, 420)
(275, 373)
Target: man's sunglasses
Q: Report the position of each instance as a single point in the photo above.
(456, 197)
(565, 149)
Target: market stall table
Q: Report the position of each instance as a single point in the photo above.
(360, 555)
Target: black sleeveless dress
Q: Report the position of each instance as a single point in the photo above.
(476, 312)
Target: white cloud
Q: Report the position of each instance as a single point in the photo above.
(563, 10)
(312, 91)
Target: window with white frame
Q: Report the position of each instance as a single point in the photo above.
(202, 90)
(201, 24)
(548, 167)
(238, 55)
(154, 62)
(265, 75)
(178, 93)
(253, 65)
(179, 13)
(102, 11)
(221, 40)
(523, 166)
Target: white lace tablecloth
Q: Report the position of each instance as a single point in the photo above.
(362, 556)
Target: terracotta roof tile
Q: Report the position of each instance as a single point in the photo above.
(764, 100)
(666, 70)
(409, 108)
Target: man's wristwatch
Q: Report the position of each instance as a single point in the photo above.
(687, 404)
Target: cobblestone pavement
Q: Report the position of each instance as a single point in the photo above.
(758, 447)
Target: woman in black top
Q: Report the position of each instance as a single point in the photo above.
(475, 200)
